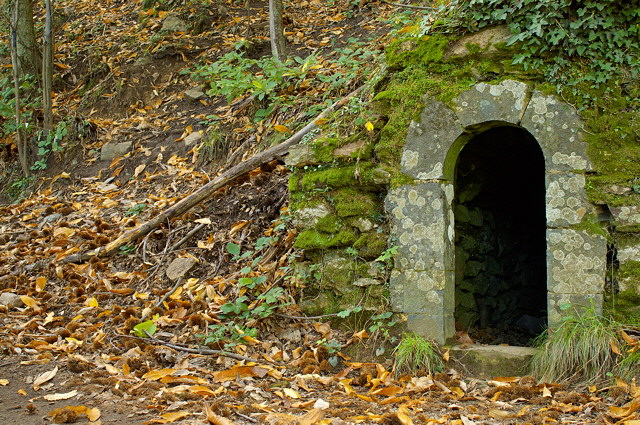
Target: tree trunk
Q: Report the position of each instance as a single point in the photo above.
(21, 140)
(276, 30)
(47, 69)
(27, 47)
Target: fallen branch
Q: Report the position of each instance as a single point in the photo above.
(202, 351)
(208, 189)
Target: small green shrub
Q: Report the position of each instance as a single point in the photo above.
(416, 353)
(583, 350)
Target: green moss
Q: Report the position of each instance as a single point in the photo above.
(329, 224)
(351, 175)
(593, 226)
(313, 239)
(325, 149)
(416, 51)
(350, 202)
(371, 244)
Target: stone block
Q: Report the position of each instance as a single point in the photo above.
(428, 141)
(563, 305)
(111, 151)
(628, 248)
(626, 216)
(490, 361)
(557, 128)
(566, 199)
(424, 237)
(300, 156)
(487, 102)
(438, 328)
(306, 218)
(575, 262)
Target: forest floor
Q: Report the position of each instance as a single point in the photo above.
(68, 346)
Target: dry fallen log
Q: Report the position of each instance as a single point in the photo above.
(207, 190)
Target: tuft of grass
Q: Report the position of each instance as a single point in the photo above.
(415, 353)
(582, 350)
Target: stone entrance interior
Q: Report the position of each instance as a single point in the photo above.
(500, 237)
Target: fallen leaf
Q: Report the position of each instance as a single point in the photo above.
(45, 377)
(41, 282)
(169, 417)
(30, 302)
(93, 414)
(4, 382)
(281, 128)
(61, 396)
(214, 419)
(154, 375)
(546, 392)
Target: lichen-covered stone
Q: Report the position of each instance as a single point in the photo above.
(628, 215)
(308, 217)
(575, 262)
(428, 141)
(563, 305)
(558, 129)
(419, 225)
(300, 156)
(492, 102)
(566, 199)
(437, 327)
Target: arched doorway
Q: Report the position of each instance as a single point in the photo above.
(422, 214)
(500, 237)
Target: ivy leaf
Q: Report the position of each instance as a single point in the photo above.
(144, 329)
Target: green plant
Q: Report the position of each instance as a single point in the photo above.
(49, 143)
(581, 349)
(555, 34)
(136, 209)
(415, 353)
(333, 347)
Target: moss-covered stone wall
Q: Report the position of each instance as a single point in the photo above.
(341, 177)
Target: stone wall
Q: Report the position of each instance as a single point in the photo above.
(354, 197)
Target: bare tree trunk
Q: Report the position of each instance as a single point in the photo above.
(276, 30)
(47, 69)
(27, 47)
(21, 141)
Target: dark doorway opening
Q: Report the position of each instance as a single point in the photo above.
(500, 227)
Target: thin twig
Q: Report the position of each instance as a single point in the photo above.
(187, 236)
(8, 363)
(171, 291)
(202, 351)
(249, 418)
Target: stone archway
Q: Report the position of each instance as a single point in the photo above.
(422, 283)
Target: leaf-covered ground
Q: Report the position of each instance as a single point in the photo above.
(68, 345)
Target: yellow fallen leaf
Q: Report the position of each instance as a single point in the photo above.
(214, 419)
(4, 382)
(140, 295)
(28, 301)
(154, 375)
(74, 341)
(291, 392)
(348, 388)
(403, 416)
(281, 128)
(41, 282)
(169, 417)
(546, 392)
(93, 414)
(201, 390)
(369, 126)
(21, 391)
(92, 302)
